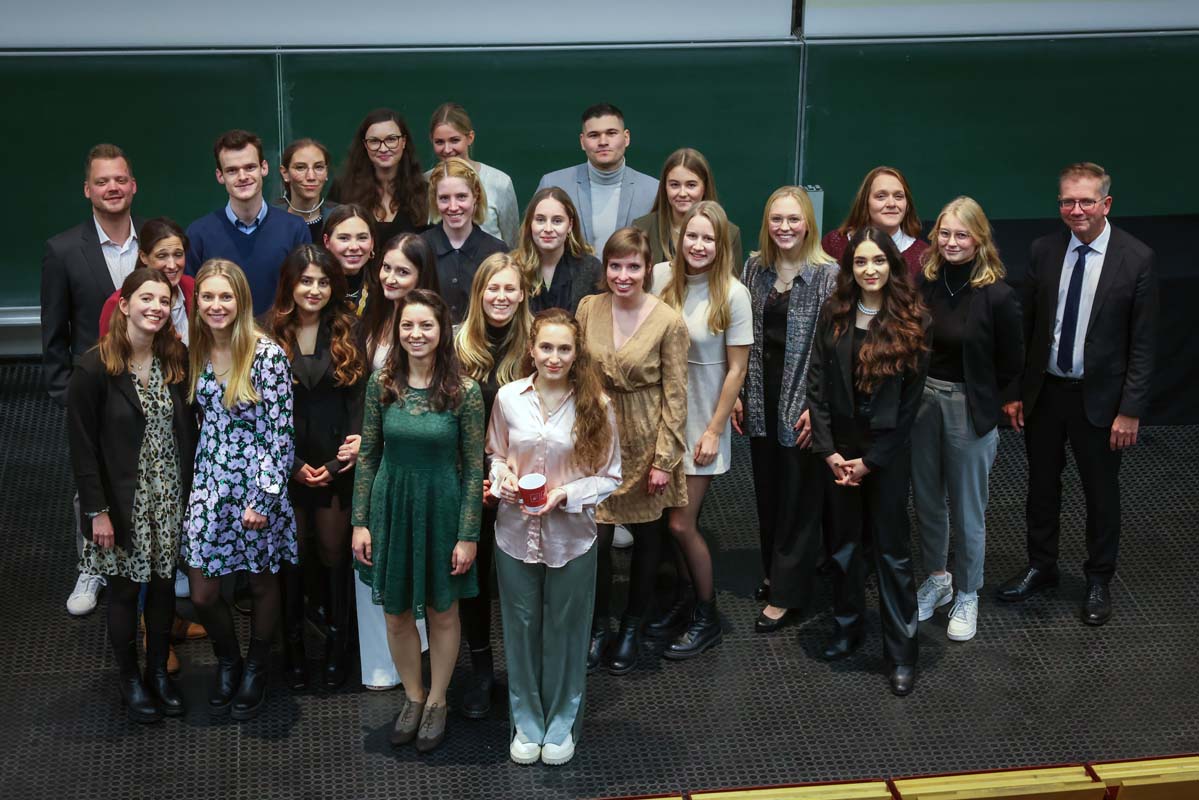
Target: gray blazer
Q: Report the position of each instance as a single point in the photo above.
(637, 192)
(812, 287)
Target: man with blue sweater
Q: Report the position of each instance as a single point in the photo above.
(247, 231)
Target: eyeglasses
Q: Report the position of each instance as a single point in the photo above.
(958, 236)
(1086, 204)
(374, 143)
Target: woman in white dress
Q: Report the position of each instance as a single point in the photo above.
(699, 283)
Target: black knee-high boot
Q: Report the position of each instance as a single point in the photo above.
(334, 673)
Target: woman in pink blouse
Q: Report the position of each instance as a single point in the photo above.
(557, 422)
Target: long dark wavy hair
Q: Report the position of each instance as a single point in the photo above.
(445, 389)
(115, 349)
(349, 366)
(592, 429)
(895, 336)
(356, 183)
(378, 308)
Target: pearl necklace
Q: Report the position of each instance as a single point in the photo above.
(870, 312)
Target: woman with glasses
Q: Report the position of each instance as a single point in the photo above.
(382, 174)
(304, 168)
(452, 134)
(978, 349)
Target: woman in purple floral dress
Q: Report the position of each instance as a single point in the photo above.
(239, 516)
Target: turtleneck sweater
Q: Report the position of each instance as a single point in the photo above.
(948, 300)
(605, 202)
(495, 346)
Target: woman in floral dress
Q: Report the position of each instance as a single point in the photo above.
(131, 435)
(239, 517)
(417, 504)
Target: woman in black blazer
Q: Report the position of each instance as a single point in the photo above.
(864, 385)
(132, 439)
(556, 260)
(978, 349)
(318, 330)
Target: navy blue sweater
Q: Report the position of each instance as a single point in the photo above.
(259, 254)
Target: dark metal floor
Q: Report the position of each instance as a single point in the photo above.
(1034, 687)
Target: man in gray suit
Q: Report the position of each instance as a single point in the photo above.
(607, 193)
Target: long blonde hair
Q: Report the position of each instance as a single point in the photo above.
(471, 341)
(528, 257)
(720, 274)
(455, 167)
(810, 252)
(988, 268)
(240, 387)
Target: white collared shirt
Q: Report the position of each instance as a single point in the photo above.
(179, 316)
(902, 240)
(1093, 266)
(121, 258)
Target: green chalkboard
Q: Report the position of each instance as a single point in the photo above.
(164, 111)
(998, 120)
(739, 106)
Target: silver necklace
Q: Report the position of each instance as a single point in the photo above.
(870, 312)
(301, 210)
(952, 293)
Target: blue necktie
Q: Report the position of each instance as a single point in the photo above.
(1065, 346)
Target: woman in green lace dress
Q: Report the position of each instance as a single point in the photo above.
(417, 504)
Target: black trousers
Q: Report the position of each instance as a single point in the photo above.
(874, 513)
(789, 490)
(475, 612)
(1059, 417)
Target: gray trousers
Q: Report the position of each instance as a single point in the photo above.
(547, 630)
(950, 461)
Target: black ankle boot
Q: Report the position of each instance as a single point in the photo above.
(843, 644)
(669, 623)
(476, 700)
(623, 657)
(334, 672)
(157, 680)
(595, 652)
(297, 665)
(139, 703)
(251, 694)
(703, 632)
(229, 667)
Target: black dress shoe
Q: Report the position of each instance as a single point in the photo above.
(903, 679)
(1027, 583)
(224, 684)
(842, 645)
(476, 700)
(595, 652)
(251, 694)
(762, 593)
(623, 656)
(703, 632)
(1097, 608)
(765, 624)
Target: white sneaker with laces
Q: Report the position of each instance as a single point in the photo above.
(621, 538)
(83, 600)
(554, 754)
(933, 594)
(523, 750)
(182, 587)
(963, 620)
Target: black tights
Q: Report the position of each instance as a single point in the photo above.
(122, 613)
(475, 612)
(215, 615)
(330, 529)
(643, 573)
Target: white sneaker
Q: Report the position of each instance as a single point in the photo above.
(524, 751)
(554, 754)
(963, 620)
(182, 587)
(622, 539)
(83, 600)
(933, 594)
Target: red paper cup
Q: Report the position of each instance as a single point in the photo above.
(532, 491)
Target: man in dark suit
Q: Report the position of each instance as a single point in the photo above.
(80, 269)
(1090, 309)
